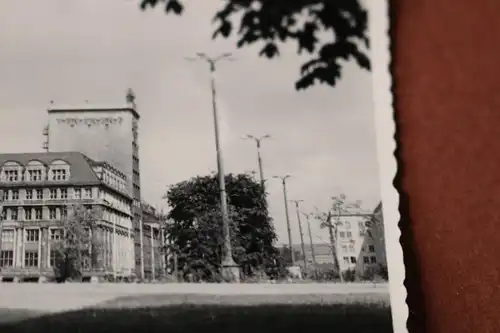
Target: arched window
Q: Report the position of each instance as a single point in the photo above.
(35, 171)
(59, 170)
(12, 172)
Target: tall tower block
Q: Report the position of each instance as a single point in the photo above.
(104, 134)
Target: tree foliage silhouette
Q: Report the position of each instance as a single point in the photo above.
(195, 233)
(275, 22)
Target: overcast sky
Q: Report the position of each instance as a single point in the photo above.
(70, 51)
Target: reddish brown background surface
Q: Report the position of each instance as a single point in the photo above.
(447, 86)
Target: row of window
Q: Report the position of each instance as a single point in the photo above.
(35, 175)
(32, 235)
(366, 260)
(31, 259)
(54, 193)
(361, 224)
(350, 248)
(34, 213)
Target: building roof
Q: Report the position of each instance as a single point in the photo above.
(92, 108)
(81, 170)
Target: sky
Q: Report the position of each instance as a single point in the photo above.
(71, 51)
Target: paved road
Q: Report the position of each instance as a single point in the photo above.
(60, 297)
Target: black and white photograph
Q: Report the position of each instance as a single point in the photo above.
(184, 165)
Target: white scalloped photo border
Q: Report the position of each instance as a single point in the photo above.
(386, 145)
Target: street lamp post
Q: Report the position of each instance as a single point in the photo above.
(302, 244)
(311, 239)
(230, 270)
(283, 181)
(258, 141)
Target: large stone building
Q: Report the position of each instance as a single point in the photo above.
(110, 134)
(37, 190)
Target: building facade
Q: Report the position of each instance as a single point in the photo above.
(37, 190)
(359, 240)
(154, 243)
(110, 134)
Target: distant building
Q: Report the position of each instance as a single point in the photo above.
(379, 235)
(37, 188)
(360, 244)
(154, 243)
(108, 133)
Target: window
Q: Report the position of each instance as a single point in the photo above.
(349, 234)
(361, 225)
(13, 214)
(35, 175)
(53, 258)
(371, 248)
(27, 213)
(53, 193)
(38, 213)
(373, 260)
(4, 214)
(346, 260)
(342, 234)
(29, 195)
(344, 248)
(6, 195)
(15, 194)
(366, 260)
(59, 174)
(39, 194)
(7, 236)
(88, 193)
(64, 212)
(11, 175)
(347, 225)
(31, 259)
(32, 235)
(77, 194)
(351, 248)
(6, 258)
(63, 193)
(52, 213)
(56, 234)
(353, 260)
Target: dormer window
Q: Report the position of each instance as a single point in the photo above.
(59, 174)
(59, 171)
(12, 175)
(35, 175)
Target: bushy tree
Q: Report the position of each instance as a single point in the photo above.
(275, 22)
(195, 232)
(79, 247)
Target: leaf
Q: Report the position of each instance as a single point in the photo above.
(269, 50)
(174, 6)
(224, 30)
(151, 3)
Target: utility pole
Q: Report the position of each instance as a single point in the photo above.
(311, 242)
(230, 270)
(302, 245)
(258, 141)
(283, 181)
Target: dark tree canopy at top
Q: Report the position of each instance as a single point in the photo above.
(274, 22)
